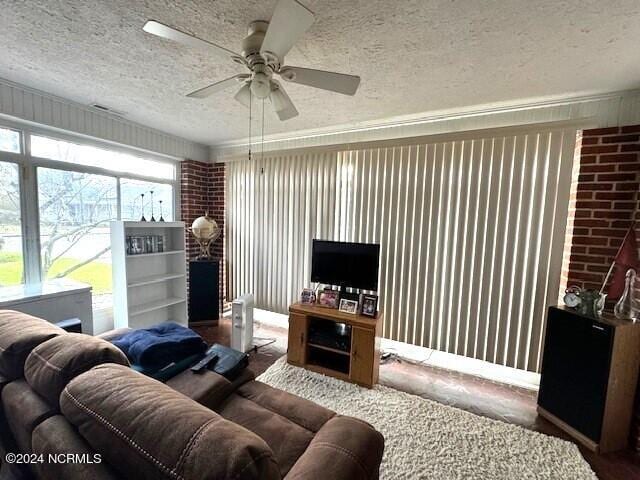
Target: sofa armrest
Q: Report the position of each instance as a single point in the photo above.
(344, 448)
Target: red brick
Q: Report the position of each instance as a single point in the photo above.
(582, 214)
(599, 149)
(600, 131)
(630, 147)
(594, 277)
(590, 140)
(621, 223)
(598, 168)
(617, 158)
(628, 167)
(586, 177)
(598, 268)
(611, 214)
(591, 205)
(576, 267)
(586, 259)
(585, 159)
(631, 186)
(608, 232)
(583, 195)
(621, 139)
(594, 186)
(616, 177)
(624, 206)
(630, 129)
(606, 251)
(614, 195)
(590, 241)
(590, 222)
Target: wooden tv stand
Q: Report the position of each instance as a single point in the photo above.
(356, 360)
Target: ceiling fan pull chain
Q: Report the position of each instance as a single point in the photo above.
(250, 102)
(262, 140)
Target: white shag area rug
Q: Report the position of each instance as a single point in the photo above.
(427, 440)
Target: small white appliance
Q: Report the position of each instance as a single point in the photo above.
(242, 323)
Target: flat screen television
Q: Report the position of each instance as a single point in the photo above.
(345, 264)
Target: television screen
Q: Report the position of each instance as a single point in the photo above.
(345, 264)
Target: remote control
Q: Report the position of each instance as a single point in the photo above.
(202, 364)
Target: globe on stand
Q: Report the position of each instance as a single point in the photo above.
(206, 231)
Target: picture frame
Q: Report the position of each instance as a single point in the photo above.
(137, 246)
(369, 306)
(308, 296)
(348, 306)
(329, 298)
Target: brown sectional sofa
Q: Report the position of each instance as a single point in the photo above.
(64, 393)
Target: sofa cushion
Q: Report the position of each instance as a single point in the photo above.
(56, 436)
(299, 410)
(52, 364)
(286, 439)
(24, 410)
(286, 422)
(146, 430)
(207, 388)
(19, 334)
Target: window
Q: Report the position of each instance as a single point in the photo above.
(132, 206)
(79, 189)
(9, 140)
(75, 211)
(11, 261)
(91, 156)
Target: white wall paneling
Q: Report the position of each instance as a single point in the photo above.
(471, 228)
(22, 104)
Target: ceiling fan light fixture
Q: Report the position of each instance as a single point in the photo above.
(260, 85)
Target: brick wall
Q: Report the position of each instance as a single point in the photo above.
(603, 200)
(202, 190)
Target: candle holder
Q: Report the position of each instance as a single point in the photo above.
(161, 217)
(142, 219)
(153, 219)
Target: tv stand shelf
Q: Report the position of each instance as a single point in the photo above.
(352, 352)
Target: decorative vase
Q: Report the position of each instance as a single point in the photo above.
(626, 306)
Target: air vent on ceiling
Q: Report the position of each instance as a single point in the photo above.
(104, 109)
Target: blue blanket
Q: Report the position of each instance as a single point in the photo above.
(160, 345)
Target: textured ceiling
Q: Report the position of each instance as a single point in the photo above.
(413, 56)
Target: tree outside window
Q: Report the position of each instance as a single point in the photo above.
(75, 211)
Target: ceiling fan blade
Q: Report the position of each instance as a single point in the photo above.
(288, 23)
(170, 33)
(216, 87)
(281, 102)
(335, 82)
(244, 95)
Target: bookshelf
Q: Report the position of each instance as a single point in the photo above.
(149, 288)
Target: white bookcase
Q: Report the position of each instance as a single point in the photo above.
(149, 288)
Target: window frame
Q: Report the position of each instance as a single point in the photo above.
(28, 181)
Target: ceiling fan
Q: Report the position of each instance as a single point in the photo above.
(263, 52)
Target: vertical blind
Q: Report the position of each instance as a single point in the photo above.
(471, 233)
